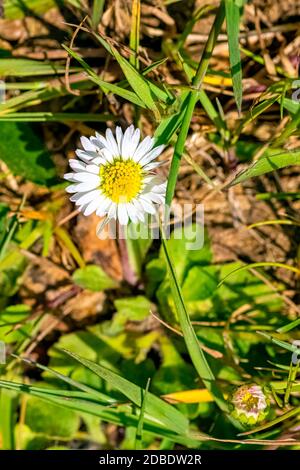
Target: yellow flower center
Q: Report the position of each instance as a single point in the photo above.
(121, 180)
(249, 401)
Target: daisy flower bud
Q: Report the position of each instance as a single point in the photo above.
(249, 404)
(113, 176)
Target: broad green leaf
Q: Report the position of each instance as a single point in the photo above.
(201, 282)
(25, 154)
(15, 9)
(51, 420)
(232, 8)
(9, 318)
(267, 164)
(93, 277)
(133, 308)
(179, 245)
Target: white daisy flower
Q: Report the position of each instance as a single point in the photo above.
(249, 404)
(114, 177)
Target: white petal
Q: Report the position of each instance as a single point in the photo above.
(72, 188)
(93, 205)
(81, 187)
(119, 137)
(112, 212)
(82, 208)
(147, 206)
(132, 212)
(76, 165)
(160, 188)
(152, 165)
(139, 209)
(101, 226)
(112, 143)
(77, 196)
(107, 155)
(87, 144)
(153, 197)
(154, 183)
(135, 141)
(144, 147)
(104, 207)
(151, 155)
(99, 141)
(86, 177)
(86, 198)
(94, 169)
(85, 156)
(99, 161)
(69, 177)
(126, 143)
(122, 214)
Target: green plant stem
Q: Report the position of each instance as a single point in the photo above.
(193, 98)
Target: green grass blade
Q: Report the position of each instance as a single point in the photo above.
(98, 6)
(105, 86)
(137, 82)
(7, 424)
(260, 265)
(290, 326)
(282, 344)
(197, 355)
(272, 423)
(169, 125)
(122, 417)
(291, 379)
(97, 397)
(56, 117)
(232, 8)
(156, 410)
(139, 430)
(252, 115)
(74, 383)
(289, 129)
(267, 164)
(29, 68)
(134, 41)
(192, 99)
